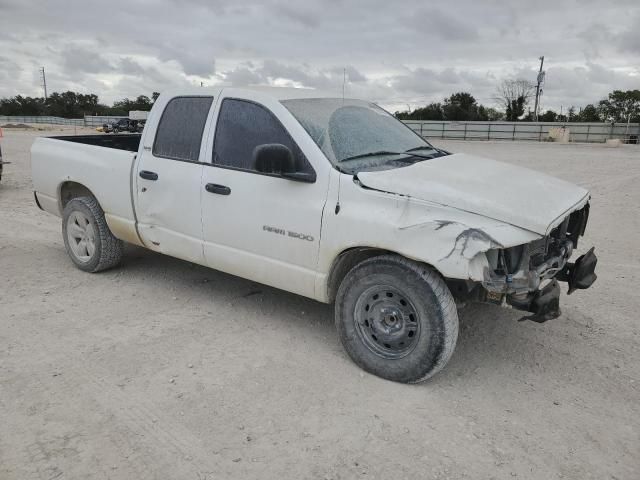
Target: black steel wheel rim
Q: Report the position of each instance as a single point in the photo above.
(386, 322)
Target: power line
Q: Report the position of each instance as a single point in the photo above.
(43, 79)
(540, 79)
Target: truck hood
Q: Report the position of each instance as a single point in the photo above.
(515, 195)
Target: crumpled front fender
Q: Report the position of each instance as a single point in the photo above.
(451, 240)
(461, 243)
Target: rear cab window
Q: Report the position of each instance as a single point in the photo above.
(179, 133)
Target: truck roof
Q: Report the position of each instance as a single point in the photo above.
(279, 93)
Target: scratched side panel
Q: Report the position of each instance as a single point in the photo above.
(446, 238)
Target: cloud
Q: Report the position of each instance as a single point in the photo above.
(243, 76)
(432, 22)
(149, 74)
(296, 12)
(352, 74)
(629, 40)
(396, 53)
(83, 60)
(271, 72)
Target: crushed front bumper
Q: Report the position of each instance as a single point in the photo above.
(526, 277)
(544, 304)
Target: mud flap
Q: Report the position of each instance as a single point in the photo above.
(580, 275)
(545, 304)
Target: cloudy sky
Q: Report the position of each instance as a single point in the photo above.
(397, 53)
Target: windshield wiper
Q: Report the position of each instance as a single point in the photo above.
(371, 154)
(437, 150)
(409, 153)
(423, 147)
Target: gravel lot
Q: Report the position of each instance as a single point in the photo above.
(166, 370)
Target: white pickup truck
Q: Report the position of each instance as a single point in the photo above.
(329, 198)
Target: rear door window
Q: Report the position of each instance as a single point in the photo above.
(179, 133)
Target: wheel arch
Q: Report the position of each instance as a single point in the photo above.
(68, 190)
(350, 257)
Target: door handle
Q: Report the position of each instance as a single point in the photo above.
(219, 189)
(147, 175)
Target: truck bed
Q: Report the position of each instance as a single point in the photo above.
(100, 163)
(128, 142)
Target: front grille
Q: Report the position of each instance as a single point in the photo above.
(564, 236)
(541, 258)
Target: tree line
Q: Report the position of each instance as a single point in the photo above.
(515, 96)
(72, 105)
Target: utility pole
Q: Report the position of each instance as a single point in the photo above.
(540, 79)
(44, 82)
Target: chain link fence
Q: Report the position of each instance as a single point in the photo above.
(531, 131)
(536, 131)
(87, 121)
(16, 119)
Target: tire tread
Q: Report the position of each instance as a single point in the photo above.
(444, 300)
(110, 249)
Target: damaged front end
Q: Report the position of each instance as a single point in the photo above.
(526, 277)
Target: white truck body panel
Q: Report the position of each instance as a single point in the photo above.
(250, 232)
(446, 212)
(169, 223)
(106, 172)
(446, 238)
(515, 195)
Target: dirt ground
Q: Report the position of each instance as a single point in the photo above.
(161, 369)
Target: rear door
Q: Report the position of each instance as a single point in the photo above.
(168, 178)
(257, 225)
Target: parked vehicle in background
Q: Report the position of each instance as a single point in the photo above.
(2, 162)
(329, 198)
(124, 125)
(138, 115)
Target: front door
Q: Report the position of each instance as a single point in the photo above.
(168, 179)
(257, 225)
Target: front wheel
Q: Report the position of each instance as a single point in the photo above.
(396, 318)
(87, 238)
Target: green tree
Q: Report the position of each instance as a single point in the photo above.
(621, 105)
(20, 105)
(124, 106)
(462, 106)
(589, 114)
(514, 96)
(73, 105)
(433, 111)
(494, 115)
(548, 116)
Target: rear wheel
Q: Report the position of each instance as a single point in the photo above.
(87, 238)
(396, 318)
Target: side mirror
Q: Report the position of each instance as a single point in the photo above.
(278, 159)
(273, 158)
